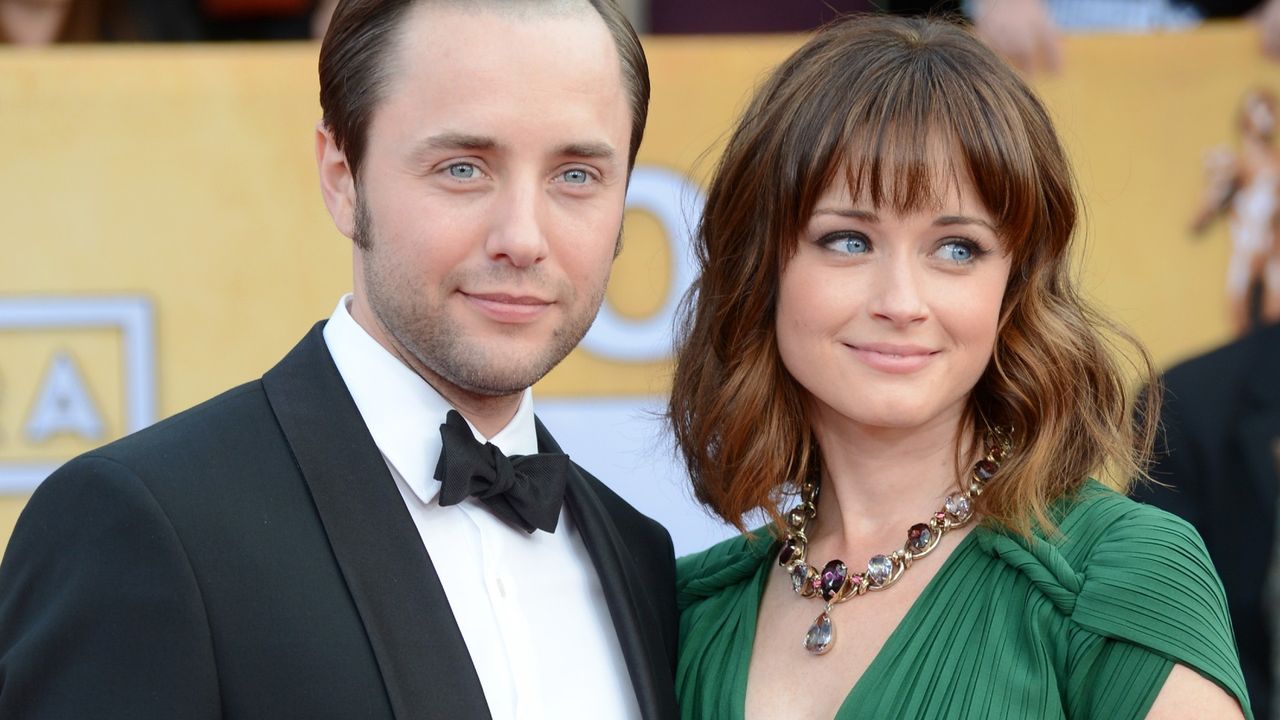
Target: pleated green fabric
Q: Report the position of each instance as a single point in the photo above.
(1086, 625)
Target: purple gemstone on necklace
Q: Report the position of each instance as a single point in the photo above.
(985, 470)
(821, 635)
(788, 552)
(919, 536)
(799, 573)
(879, 568)
(833, 575)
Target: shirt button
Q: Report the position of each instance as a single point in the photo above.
(502, 588)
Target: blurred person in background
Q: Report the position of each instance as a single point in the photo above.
(237, 20)
(1221, 410)
(264, 19)
(1220, 418)
(45, 22)
(36, 23)
(1245, 187)
(1029, 32)
(761, 16)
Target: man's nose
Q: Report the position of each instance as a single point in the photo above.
(517, 229)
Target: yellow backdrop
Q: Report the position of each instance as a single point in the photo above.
(178, 183)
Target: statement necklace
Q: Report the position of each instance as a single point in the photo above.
(835, 584)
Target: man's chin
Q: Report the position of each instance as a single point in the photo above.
(500, 368)
(494, 382)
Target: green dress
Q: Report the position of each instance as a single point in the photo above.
(1085, 626)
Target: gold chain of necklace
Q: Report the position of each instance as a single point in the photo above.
(835, 584)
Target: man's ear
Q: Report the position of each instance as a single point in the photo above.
(337, 183)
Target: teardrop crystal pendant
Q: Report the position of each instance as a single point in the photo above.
(821, 635)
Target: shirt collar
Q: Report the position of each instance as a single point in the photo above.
(402, 411)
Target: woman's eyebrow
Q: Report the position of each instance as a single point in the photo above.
(945, 220)
(849, 213)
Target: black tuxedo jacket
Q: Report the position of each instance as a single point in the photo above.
(1221, 415)
(252, 558)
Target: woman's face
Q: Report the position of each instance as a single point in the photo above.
(889, 320)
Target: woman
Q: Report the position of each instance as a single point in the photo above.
(886, 338)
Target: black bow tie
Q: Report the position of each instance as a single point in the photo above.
(524, 490)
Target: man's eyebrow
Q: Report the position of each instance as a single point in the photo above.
(479, 143)
(588, 151)
(454, 141)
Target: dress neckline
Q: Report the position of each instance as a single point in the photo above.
(900, 635)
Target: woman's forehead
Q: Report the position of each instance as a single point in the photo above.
(944, 185)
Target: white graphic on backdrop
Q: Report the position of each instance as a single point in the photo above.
(62, 404)
(675, 202)
(625, 441)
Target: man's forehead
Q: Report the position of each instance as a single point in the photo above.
(514, 9)
(468, 29)
(474, 78)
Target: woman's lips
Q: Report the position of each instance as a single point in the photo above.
(892, 358)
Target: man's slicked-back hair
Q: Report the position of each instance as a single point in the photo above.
(355, 65)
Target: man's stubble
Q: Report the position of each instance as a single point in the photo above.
(420, 324)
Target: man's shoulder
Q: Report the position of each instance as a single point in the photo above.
(233, 423)
(241, 412)
(1231, 363)
(199, 460)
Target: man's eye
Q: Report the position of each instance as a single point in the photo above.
(462, 171)
(575, 177)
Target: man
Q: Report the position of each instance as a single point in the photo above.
(1221, 418)
(285, 550)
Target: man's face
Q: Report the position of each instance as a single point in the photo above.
(490, 199)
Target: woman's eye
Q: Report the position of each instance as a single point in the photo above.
(575, 176)
(462, 171)
(957, 251)
(847, 244)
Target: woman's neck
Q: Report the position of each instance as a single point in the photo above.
(876, 482)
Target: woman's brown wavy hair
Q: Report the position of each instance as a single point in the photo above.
(869, 100)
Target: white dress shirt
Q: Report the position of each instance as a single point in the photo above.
(530, 606)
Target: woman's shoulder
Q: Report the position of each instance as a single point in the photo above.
(727, 563)
(1100, 529)
(1128, 571)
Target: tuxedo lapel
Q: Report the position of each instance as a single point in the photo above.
(421, 654)
(637, 630)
